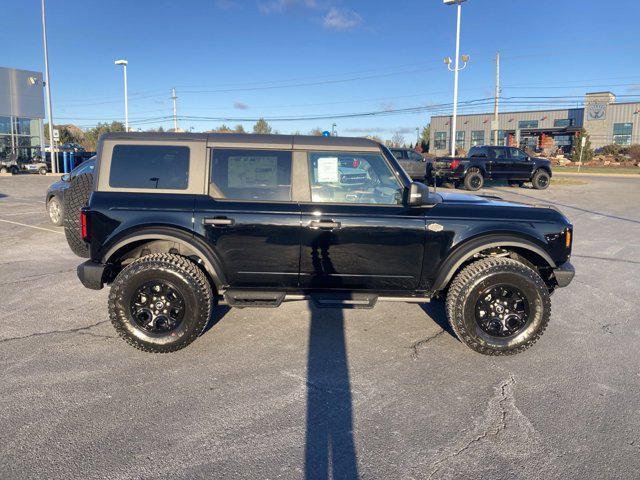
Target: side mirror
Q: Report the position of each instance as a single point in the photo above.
(417, 194)
(65, 177)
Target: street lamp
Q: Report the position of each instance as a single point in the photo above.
(52, 142)
(333, 129)
(455, 70)
(126, 104)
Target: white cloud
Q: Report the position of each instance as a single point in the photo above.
(279, 6)
(341, 19)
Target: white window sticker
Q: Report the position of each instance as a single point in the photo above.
(327, 170)
(249, 171)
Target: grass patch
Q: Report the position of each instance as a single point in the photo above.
(624, 171)
(567, 181)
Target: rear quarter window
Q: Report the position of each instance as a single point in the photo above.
(149, 167)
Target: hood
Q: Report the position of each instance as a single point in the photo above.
(489, 200)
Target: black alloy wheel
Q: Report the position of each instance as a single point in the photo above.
(502, 310)
(157, 307)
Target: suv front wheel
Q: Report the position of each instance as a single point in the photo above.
(498, 306)
(160, 303)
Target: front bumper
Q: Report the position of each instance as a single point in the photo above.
(564, 274)
(90, 274)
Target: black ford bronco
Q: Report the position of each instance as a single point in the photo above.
(181, 223)
(493, 163)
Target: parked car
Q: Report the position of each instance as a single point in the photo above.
(493, 163)
(181, 223)
(54, 199)
(416, 166)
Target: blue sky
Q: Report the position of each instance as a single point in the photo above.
(292, 58)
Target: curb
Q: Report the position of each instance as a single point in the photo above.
(587, 174)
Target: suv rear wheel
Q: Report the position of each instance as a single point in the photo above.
(473, 180)
(540, 180)
(498, 306)
(160, 303)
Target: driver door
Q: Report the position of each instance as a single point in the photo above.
(356, 232)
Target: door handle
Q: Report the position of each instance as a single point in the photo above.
(324, 224)
(218, 221)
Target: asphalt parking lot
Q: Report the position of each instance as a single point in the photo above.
(304, 393)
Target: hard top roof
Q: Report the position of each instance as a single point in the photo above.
(250, 140)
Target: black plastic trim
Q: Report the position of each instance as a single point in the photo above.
(90, 274)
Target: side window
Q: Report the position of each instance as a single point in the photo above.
(339, 177)
(415, 156)
(260, 175)
(500, 153)
(399, 154)
(149, 166)
(478, 152)
(517, 154)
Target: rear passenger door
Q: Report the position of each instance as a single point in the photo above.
(500, 166)
(249, 218)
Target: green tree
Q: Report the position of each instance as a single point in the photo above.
(239, 129)
(424, 138)
(92, 135)
(68, 133)
(587, 151)
(262, 126)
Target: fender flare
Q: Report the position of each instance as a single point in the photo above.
(481, 168)
(468, 249)
(210, 262)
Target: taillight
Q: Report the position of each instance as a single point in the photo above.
(454, 164)
(84, 225)
(356, 163)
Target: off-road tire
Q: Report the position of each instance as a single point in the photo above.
(76, 197)
(53, 201)
(42, 171)
(541, 179)
(465, 289)
(188, 279)
(473, 180)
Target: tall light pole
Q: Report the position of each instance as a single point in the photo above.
(54, 163)
(126, 100)
(333, 129)
(175, 114)
(455, 70)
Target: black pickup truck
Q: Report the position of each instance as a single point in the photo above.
(493, 163)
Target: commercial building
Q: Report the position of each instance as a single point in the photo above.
(21, 114)
(605, 120)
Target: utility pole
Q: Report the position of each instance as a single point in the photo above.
(54, 163)
(175, 115)
(495, 104)
(124, 64)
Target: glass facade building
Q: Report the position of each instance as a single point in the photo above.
(21, 114)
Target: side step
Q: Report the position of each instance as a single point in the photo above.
(248, 298)
(344, 300)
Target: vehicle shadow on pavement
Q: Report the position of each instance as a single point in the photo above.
(330, 448)
(436, 311)
(218, 312)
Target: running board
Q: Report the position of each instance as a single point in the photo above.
(247, 298)
(346, 300)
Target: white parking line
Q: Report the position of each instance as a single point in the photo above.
(31, 226)
(20, 213)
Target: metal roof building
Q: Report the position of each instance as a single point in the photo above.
(605, 120)
(21, 113)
